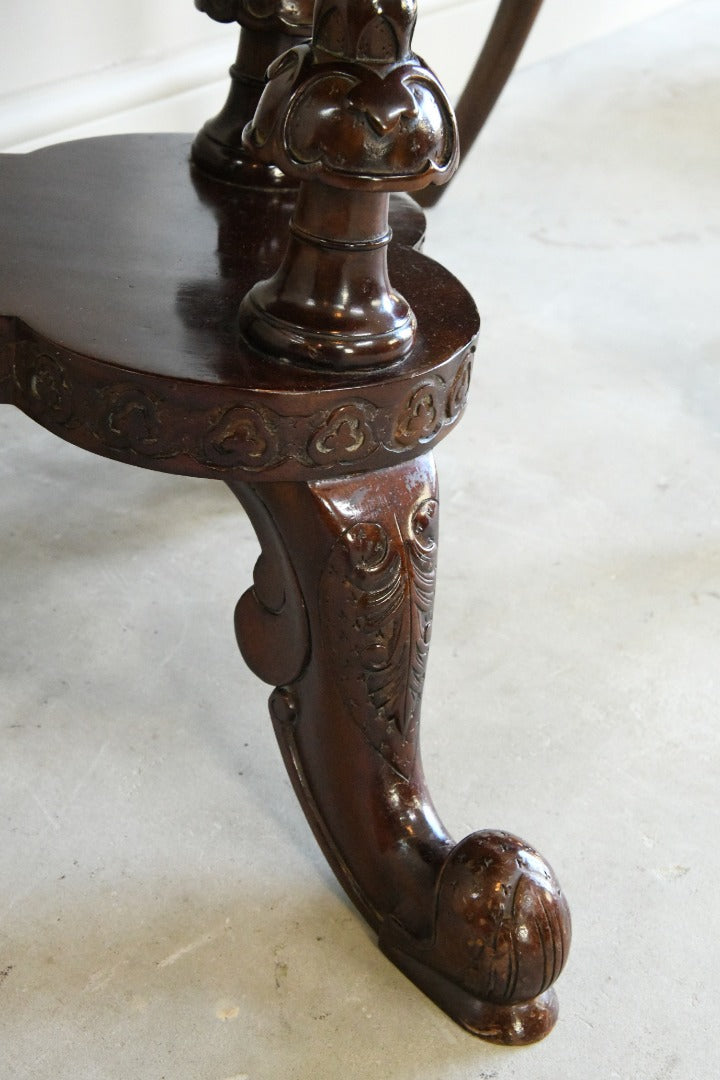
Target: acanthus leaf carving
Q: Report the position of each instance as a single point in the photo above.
(378, 591)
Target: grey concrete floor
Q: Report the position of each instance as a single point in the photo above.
(165, 914)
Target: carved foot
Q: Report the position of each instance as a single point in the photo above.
(501, 936)
(339, 619)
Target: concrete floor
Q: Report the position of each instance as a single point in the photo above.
(165, 912)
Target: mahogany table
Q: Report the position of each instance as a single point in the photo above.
(194, 310)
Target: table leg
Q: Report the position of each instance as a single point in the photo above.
(339, 620)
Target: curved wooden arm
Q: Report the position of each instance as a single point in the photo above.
(512, 24)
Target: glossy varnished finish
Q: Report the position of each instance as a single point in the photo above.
(513, 22)
(145, 262)
(267, 29)
(125, 274)
(125, 335)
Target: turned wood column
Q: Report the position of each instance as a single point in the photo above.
(312, 364)
(268, 28)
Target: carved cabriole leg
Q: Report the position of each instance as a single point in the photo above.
(339, 619)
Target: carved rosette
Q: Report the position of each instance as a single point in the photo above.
(243, 437)
(47, 389)
(352, 116)
(128, 420)
(421, 416)
(346, 435)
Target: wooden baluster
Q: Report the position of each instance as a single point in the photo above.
(268, 28)
(340, 614)
(352, 116)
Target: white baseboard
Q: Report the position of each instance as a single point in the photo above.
(179, 91)
(106, 98)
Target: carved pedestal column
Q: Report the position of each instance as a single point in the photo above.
(333, 468)
(315, 383)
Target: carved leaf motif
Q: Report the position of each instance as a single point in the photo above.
(422, 551)
(378, 595)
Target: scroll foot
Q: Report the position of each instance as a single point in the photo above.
(500, 939)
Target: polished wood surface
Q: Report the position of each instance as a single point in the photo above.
(144, 261)
(267, 29)
(270, 29)
(126, 271)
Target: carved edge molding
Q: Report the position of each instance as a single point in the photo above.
(190, 428)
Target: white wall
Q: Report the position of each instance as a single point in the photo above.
(46, 41)
(70, 68)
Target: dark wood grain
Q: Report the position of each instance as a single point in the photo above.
(267, 29)
(352, 116)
